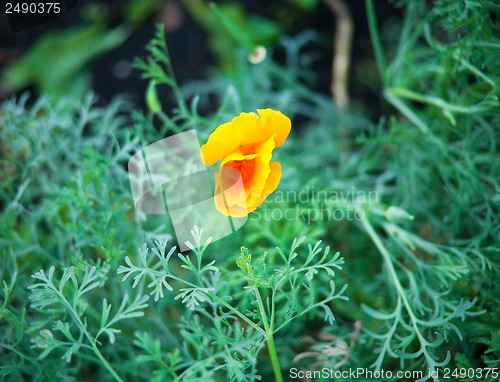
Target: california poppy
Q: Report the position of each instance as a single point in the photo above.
(245, 146)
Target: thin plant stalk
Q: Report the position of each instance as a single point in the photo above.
(271, 347)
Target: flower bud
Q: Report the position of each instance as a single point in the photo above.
(394, 214)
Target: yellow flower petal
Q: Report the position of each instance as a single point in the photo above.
(271, 185)
(237, 156)
(229, 136)
(276, 123)
(244, 130)
(247, 176)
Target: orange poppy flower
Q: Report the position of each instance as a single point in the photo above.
(245, 146)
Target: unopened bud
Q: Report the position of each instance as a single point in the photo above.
(152, 100)
(394, 214)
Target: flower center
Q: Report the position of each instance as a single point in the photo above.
(246, 168)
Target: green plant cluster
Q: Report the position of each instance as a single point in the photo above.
(94, 290)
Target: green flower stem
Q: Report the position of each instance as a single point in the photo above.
(474, 70)
(106, 363)
(274, 357)
(375, 38)
(168, 123)
(434, 101)
(239, 314)
(232, 28)
(271, 347)
(406, 111)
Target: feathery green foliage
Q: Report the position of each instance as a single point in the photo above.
(412, 206)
